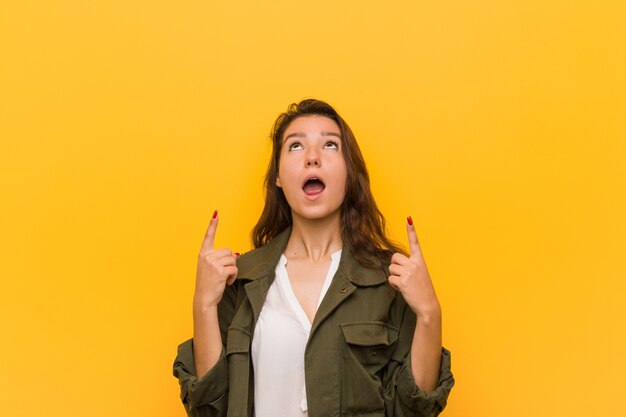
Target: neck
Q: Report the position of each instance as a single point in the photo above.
(314, 240)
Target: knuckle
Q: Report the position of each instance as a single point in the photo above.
(225, 251)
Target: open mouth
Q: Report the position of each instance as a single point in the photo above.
(313, 186)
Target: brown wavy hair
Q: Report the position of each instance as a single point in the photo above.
(362, 224)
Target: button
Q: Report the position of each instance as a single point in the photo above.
(343, 290)
(373, 352)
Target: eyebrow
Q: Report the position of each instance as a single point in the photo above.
(302, 135)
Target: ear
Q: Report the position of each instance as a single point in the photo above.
(278, 182)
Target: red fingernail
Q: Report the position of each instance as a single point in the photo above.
(215, 214)
(409, 220)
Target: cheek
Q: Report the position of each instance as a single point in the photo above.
(343, 176)
(341, 183)
(285, 178)
(281, 173)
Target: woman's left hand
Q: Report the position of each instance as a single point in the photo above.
(410, 276)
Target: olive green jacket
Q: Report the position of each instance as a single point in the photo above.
(357, 359)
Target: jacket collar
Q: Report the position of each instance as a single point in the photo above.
(261, 263)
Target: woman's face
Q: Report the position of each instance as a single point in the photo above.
(312, 171)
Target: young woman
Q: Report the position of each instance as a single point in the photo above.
(326, 317)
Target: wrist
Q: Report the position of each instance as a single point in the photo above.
(203, 307)
(430, 314)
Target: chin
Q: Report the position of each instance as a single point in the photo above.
(312, 214)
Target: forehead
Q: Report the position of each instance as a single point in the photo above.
(312, 125)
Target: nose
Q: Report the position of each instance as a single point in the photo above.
(312, 160)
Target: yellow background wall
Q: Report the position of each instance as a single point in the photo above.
(498, 125)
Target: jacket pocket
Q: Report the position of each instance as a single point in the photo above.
(370, 343)
(366, 353)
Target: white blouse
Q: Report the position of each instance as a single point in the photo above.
(280, 337)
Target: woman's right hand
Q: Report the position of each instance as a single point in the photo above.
(216, 269)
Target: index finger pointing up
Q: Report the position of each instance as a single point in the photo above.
(209, 239)
(414, 245)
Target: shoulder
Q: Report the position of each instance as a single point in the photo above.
(249, 262)
(261, 262)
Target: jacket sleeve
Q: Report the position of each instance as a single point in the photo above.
(412, 401)
(207, 396)
(403, 396)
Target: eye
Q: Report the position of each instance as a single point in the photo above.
(331, 144)
(295, 146)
